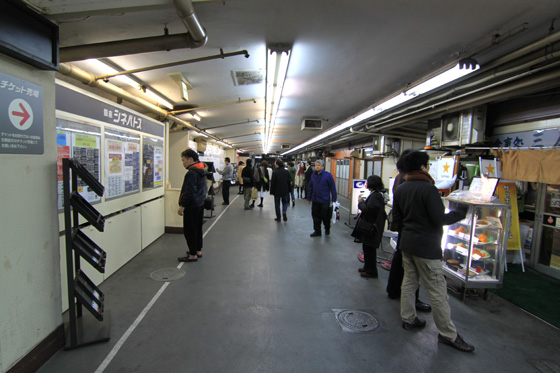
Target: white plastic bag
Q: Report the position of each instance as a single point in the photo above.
(335, 211)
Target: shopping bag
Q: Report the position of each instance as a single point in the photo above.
(335, 212)
(254, 193)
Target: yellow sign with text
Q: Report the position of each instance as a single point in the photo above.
(507, 192)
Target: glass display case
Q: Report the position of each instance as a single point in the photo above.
(474, 248)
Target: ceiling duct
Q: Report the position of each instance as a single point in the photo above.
(195, 38)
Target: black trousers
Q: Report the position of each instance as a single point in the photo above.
(370, 259)
(225, 190)
(192, 228)
(321, 212)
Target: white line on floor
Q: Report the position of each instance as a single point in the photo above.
(132, 327)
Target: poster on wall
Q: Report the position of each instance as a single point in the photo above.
(122, 164)
(81, 142)
(152, 162)
(507, 192)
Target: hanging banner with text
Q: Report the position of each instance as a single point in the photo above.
(21, 123)
(507, 192)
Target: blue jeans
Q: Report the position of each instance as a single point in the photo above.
(285, 202)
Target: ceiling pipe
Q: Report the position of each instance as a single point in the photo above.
(89, 79)
(195, 38)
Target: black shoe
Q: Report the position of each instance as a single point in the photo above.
(285, 217)
(315, 234)
(369, 275)
(277, 219)
(186, 259)
(252, 206)
(423, 307)
(417, 323)
(261, 205)
(361, 270)
(459, 343)
(394, 296)
(327, 231)
(293, 203)
(225, 203)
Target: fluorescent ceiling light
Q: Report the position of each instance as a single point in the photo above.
(159, 99)
(277, 67)
(106, 69)
(202, 134)
(429, 85)
(196, 116)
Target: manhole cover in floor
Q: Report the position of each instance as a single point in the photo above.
(167, 274)
(356, 321)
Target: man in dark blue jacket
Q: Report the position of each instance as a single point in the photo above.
(191, 204)
(319, 191)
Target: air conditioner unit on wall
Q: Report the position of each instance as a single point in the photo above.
(357, 153)
(464, 128)
(311, 124)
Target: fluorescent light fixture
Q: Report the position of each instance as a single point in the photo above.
(277, 67)
(202, 134)
(159, 99)
(106, 69)
(195, 116)
(437, 81)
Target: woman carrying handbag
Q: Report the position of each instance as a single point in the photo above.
(372, 211)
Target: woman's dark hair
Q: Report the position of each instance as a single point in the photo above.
(264, 163)
(415, 160)
(189, 153)
(249, 163)
(280, 163)
(400, 161)
(241, 163)
(291, 164)
(374, 183)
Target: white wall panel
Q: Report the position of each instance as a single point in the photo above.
(122, 240)
(153, 221)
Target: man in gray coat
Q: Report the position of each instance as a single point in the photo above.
(227, 176)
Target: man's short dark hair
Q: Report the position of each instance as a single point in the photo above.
(291, 164)
(227, 160)
(415, 160)
(400, 161)
(189, 153)
(249, 163)
(280, 163)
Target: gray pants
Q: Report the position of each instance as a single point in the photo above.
(431, 272)
(247, 195)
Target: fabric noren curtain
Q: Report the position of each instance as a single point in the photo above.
(536, 165)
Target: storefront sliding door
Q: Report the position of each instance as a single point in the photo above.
(546, 245)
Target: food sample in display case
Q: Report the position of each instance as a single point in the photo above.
(474, 248)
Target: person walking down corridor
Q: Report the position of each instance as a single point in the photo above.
(298, 182)
(319, 192)
(418, 208)
(307, 177)
(292, 170)
(280, 187)
(227, 176)
(191, 204)
(240, 168)
(262, 180)
(248, 183)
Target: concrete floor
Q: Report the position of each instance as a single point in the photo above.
(262, 299)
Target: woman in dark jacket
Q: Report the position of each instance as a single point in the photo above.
(262, 181)
(248, 183)
(372, 210)
(280, 187)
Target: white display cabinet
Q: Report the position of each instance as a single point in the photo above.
(474, 248)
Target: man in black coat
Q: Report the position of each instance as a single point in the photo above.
(191, 204)
(307, 178)
(418, 207)
(280, 186)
